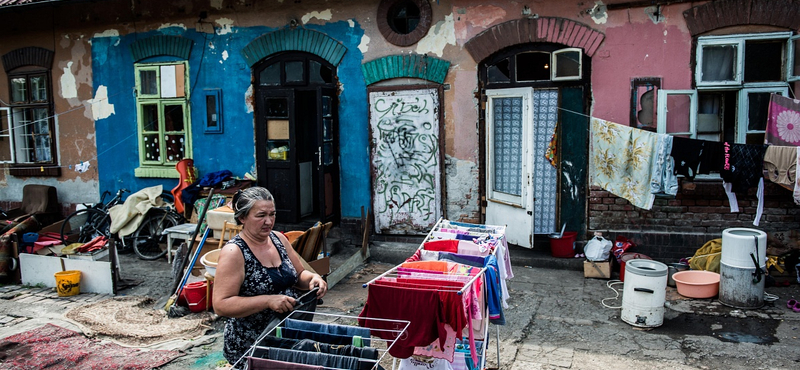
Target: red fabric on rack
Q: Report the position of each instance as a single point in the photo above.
(421, 307)
(442, 246)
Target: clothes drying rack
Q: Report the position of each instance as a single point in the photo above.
(496, 232)
(492, 236)
(402, 326)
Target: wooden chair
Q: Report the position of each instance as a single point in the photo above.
(312, 241)
(229, 230)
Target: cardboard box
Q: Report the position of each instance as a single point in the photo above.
(278, 129)
(597, 269)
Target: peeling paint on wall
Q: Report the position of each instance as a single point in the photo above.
(68, 88)
(106, 33)
(441, 34)
(462, 189)
(481, 16)
(216, 4)
(224, 56)
(655, 14)
(599, 13)
(324, 15)
(351, 23)
(364, 45)
(100, 107)
(248, 99)
(171, 25)
(225, 26)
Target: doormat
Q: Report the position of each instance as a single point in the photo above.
(131, 321)
(56, 348)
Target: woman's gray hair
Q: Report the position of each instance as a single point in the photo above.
(244, 200)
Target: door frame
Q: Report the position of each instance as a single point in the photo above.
(440, 115)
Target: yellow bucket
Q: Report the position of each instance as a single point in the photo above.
(68, 283)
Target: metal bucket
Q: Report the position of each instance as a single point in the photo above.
(644, 293)
(742, 266)
(672, 268)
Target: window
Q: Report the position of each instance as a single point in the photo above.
(734, 75)
(213, 111)
(163, 118)
(26, 131)
(404, 22)
(537, 66)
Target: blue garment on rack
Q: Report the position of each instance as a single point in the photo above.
(317, 336)
(329, 329)
(494, 292)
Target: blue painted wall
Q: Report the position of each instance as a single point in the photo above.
(117, 147)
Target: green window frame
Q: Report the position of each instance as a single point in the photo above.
(163, 117)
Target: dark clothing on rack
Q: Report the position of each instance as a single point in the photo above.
(319, 359)
(316, 336)
(328, 328)
(475, 261)
(255, 363)
(314, 346)
(742, 166)
(241, 333)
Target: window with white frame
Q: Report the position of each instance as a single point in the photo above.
(734, 76)
(162, 106)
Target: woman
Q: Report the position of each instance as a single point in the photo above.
(257, 274)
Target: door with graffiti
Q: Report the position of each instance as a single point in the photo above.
(406, 159)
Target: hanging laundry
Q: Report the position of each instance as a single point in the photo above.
(783, 121)
(693, 157)
(663, 179)
(741, 170)
(621, 161)
(82, 167)
(552, 149)
(780, 165)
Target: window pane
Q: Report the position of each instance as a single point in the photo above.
(319, 73)
(148, 81)
(271, 76)
(499, 72)
(150, 117)
(23, 136)
(678, 113)
(277, 107)
(507, 145)
(174, 145)
(796, 52)
(763, 61)
(719, 63)
(326, 106)
(211, 111)
(757, 111)
(19, 90)
(709, 116)
(38, 88)
(533, 66)
(403, 17)
(327, 129)
(294, 71)
(151, 149)
(173, 118)
(568, 64)
(327, 153)
(5, 137)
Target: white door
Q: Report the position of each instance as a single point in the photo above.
(522, 186)
(509, 164)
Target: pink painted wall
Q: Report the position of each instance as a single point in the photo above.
(636, 47)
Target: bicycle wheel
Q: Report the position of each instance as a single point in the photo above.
(84, 225)
(148, 241)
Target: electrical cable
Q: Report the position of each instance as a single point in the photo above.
(610, 284)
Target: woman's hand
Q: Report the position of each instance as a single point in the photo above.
(280, 303)
(317, 281)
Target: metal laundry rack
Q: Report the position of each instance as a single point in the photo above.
(296, 314)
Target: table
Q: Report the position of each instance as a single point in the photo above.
(182, 231)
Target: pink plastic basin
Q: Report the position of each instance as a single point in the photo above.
(697, 283)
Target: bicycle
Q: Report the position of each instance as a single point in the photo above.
(85, 224)
(149, 237)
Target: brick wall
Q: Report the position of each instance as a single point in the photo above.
(676, 227)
